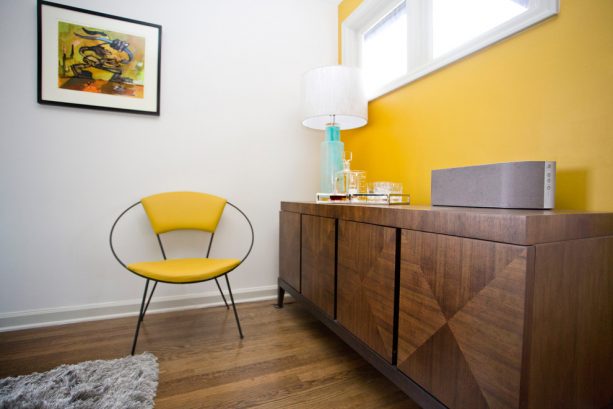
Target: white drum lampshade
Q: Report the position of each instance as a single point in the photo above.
(334, 94)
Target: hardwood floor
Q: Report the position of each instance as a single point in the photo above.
(286, 360)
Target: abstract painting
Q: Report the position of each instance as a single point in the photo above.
(94, 60)
(97, 60)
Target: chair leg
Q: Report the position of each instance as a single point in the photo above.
(140, 316)
(240, 331)
(221, 292)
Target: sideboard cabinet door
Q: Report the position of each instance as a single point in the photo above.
(289, 248)
(461, 318)
(366, 276)
(318, 258)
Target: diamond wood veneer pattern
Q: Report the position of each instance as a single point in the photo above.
(366, 275)
(317, 262)
(494, 318)
(439, 366)
(421, 315)
(461, 269)
(362, 312)
(461, 312)
(289, 248)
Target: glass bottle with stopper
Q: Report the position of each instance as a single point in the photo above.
(349, 181)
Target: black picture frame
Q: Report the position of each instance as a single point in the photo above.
(93, 60)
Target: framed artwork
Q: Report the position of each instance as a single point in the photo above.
(94, 60)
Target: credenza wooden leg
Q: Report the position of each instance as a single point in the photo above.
(280, 297)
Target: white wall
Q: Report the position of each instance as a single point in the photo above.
(229, 125)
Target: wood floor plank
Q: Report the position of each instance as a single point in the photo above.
(287, 359)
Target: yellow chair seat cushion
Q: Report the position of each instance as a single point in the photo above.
(184, 270)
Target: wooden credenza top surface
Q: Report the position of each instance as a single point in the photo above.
(522, 227)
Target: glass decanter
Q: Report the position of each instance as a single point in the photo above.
(349, 181)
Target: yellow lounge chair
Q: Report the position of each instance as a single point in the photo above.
(183, 211)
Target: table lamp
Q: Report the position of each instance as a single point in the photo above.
(333, 99)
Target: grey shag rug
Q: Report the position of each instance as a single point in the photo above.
(127, 383)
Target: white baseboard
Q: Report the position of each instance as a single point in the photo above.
(92, 312)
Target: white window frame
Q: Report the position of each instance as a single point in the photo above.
(420, 36)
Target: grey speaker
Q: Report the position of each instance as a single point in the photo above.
(512, 185)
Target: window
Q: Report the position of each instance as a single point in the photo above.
(396, 42)
(384, 48)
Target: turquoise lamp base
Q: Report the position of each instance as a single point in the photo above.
(331, 158)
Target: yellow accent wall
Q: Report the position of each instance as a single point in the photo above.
(543, 94)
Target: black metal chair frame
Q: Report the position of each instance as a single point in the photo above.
(144, 307)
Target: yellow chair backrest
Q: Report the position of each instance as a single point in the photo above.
(183, 211)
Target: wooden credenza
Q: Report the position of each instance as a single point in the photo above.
(462, 308)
